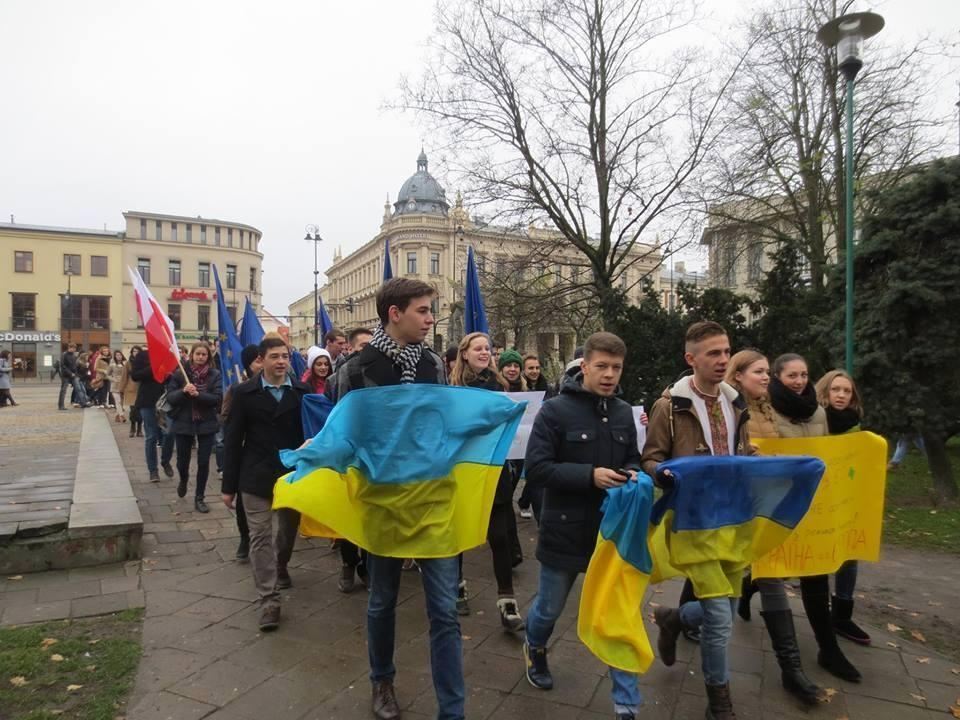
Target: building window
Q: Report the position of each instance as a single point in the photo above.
(232, 277)
(173, 232)
(203, 234)
(434, 263)
(241, 240)
(203, 275)
(159, 230)
(143, 267)
(435, 306)
(24, 311)
(174, 273)
(71, 264)
(411, 263)
(203, 318)
(189, 233)
(98, 265)
(23, 261)
(99, 313)
(229, 237)
(253, 279)
(755, 263)
(173, 312)
(500, 269)
(232, 312)
(216, 237)
(143, 229)
(727, 260)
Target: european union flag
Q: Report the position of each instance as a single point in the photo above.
(323, 320)
(231, 366)
(251, 332)
(387, 267)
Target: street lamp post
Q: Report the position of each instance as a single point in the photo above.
(313, 235)
(66, 302)
(847, 33)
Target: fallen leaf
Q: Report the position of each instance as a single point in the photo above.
(893, 628)
(92, 642)
(917, 635)
(955, 709)
(15, 577)
(918, 698)
(73, 688)
(19, 681)
(894, 607)
(828, 694)
(892, 644)
(933, 512)
(56, 658)
(861, 596)
(790, 593)
(91, 668)
(955, 671)
(658, 591)
(47, 642)
(654, 604)
(923, 660)
(914, 614)
(934, 603)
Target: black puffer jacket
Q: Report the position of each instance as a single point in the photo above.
(574, 433)
(486, 380)
(207, 404)
(150, 390)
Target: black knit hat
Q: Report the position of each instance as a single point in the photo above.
(248, 355)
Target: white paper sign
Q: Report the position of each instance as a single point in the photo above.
(641, 429)
(518, 450)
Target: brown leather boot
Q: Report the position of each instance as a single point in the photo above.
(719, 705)
(385, 705)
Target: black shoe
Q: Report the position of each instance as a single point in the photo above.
(167, 470)
(384, 701)
(510, 614)
(463, 607)
(154, 476)
(843, 624)
(830, 657)
(783, 637)
(182, 488)
(668, 620)
(747, 589)
(691, 634)
(132, 431)
(270, 618)
(719, 704)
(538, 672)
(200, 505)
(625, 716)
(243, 550)
(517, 559)
(283, 578)
(347, 581)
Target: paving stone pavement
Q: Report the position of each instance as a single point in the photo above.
(204, 658)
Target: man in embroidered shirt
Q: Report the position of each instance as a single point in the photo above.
(699, 415)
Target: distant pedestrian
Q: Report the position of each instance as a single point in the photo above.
(70, 377)
(100, 381)
(148, 394)
(319, 369)
(116, 372)
(6, 371)
(129, 388)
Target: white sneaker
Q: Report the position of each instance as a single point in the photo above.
(526, 514)
(510, 614)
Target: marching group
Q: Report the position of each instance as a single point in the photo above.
(582, 443)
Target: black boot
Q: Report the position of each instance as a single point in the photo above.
(719, 704)
(670, 625)
(830, 657)
(747, 589)
(843, 624)
(783, 637)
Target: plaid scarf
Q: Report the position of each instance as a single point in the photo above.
(405, 358)
(200, 374)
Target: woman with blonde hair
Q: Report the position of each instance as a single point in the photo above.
(838, 396)
(475, 367)
(116, 374)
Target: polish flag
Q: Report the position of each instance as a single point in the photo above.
(161, 340)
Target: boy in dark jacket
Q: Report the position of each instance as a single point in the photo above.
(264, 419)
(583, 442)
(148, 393)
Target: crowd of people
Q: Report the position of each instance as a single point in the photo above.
(583, 442)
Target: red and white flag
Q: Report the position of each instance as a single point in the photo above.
(161, 340)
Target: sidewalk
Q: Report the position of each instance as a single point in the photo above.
(203, 656)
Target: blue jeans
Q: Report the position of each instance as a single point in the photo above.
(903, 445)
(79, 393)
(446, 646)
(547, 606)
(714, 618)
(845, 581)
(152, 436)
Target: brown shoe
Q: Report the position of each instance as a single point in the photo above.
(283, 578)
(668, 621)
(270, 618)
(719, 704)
(385, 705)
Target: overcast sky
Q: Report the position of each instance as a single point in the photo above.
(262, 113)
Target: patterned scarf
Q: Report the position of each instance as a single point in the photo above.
(200, 374)
(406, 358)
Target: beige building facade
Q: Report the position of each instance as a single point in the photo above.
(429, 240)
(62, 285)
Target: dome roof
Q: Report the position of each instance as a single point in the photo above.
(421, 193)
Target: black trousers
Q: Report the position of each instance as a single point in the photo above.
(500, 536)
(204, 448)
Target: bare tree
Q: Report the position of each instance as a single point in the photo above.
(571, 110)
(779, 176)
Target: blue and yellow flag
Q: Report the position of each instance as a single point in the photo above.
(405, 471)
(610, 622)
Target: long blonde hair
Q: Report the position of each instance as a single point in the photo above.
(738, 364)
(823, 390)
(462, 374)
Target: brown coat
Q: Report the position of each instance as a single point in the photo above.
(816, 426)
(128, 386)
(675, 430)
(763, 419)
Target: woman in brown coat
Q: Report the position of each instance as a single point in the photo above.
(129, 388)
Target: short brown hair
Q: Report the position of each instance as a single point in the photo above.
(357, 332)
(604, 342)
(332, 336)
(701, 331)
(400, 292)
(196, 346)
(270, 340)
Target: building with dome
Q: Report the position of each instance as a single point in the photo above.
(428, 240)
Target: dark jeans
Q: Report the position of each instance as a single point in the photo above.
(152, 436)
(242, 525)
(352, 556)
(845, 581)
(78, 392)
(439, 576)
(204, 447)
(500, 538)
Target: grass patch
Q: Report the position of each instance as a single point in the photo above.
(911, 519)
(85, 674)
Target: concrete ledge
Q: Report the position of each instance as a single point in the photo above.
(105, 524)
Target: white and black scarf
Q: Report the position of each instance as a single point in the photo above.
(406, 358)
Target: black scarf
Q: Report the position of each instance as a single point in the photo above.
(406, 358)
(785, 401)
(841, 421)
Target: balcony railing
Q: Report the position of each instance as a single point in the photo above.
(23, 322)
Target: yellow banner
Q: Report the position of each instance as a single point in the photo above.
(845, 520)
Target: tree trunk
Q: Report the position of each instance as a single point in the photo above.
(944, 485)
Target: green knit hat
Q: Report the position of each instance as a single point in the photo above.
(510, 356)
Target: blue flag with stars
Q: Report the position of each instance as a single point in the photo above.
(323, 320)
(231, 366)
(251, 331)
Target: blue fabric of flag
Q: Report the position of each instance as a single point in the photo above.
(314, 412)
(297, 364)
(323, 320)
(474, 314)
(387, 266)
(251, 331)
(230, 349)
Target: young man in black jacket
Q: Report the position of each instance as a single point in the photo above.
(148, 394)
(264, 419)
(396, 355)
(69, 377)
(583, 442)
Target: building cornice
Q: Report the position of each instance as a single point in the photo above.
(188, 219)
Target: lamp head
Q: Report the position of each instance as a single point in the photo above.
(847, 33)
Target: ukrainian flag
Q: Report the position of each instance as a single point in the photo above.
(726, 512)
(405, 471)
(610, 622)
